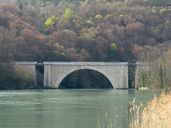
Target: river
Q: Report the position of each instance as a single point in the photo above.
(89, 108)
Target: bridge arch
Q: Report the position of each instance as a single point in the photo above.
(104, 81)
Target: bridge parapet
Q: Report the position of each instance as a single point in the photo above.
(88, 63)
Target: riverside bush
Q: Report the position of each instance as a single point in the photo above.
(10, 79)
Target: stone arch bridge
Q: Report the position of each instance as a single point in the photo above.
(55, 72)
(116, 73)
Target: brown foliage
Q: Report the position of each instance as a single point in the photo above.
(10, 8)
(67, 38)
(28, 35)
(136, 27)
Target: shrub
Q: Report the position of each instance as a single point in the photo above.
(113, 46)
(68, 13)
(10, 78)
(51, 21)
(163, 10)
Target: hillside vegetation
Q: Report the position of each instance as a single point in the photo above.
(85, 30)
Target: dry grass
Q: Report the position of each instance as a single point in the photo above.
(157, 113)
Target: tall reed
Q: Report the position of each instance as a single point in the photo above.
(157, 113)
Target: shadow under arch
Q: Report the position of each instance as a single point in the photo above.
(85, 79)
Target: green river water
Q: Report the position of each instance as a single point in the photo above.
(89, 108)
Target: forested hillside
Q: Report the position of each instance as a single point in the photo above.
(84, 30)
